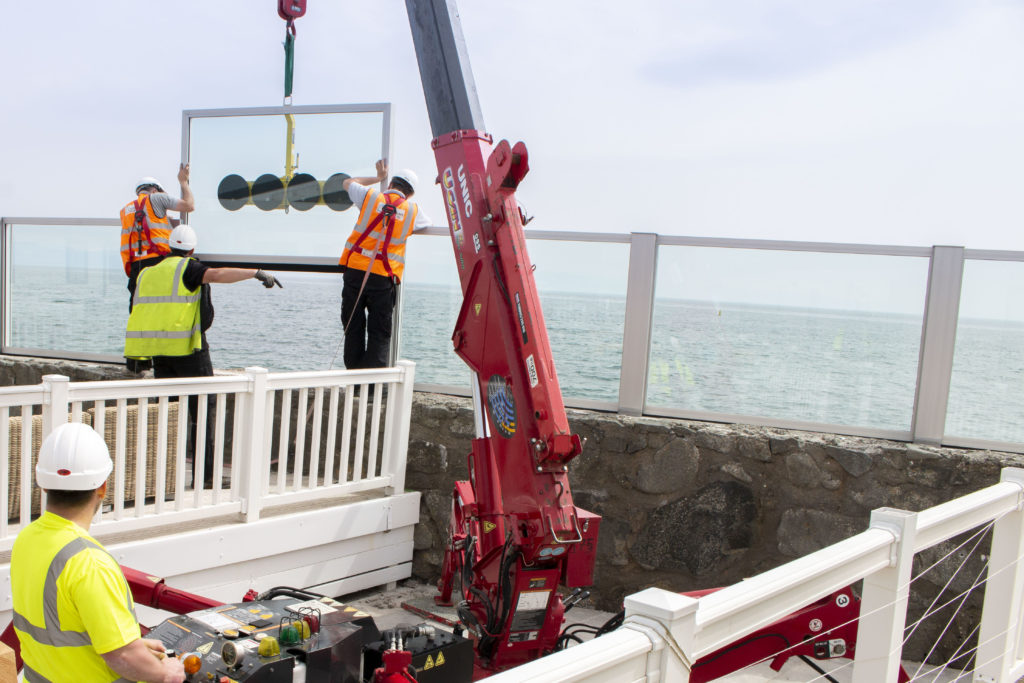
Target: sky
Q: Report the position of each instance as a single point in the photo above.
(864, 121)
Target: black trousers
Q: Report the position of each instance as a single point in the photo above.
(369, 334)
(198, 364)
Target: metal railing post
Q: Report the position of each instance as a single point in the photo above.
(999, 638)
(254, 454)
(883, 607)
(670, 621)
(938, 341)
(55, 409)
(400, 400)
(636, 333)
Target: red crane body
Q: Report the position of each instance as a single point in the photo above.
(515, 533)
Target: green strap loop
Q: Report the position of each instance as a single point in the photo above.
(289, 58)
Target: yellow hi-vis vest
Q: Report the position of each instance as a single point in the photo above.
(71, 602)
(165, 314)
(387, 237)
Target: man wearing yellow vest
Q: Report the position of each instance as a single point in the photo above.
(374, 260)
(73, 610)
(171, 311)
(145, 226)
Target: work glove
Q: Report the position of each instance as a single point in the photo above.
(267, 279)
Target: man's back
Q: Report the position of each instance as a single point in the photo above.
(71, 602)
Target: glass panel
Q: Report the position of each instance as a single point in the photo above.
(295, 327)
(68, 289)
(986, 394)
(582, 288)
(829, 338)
(230, 154)
(431, 299)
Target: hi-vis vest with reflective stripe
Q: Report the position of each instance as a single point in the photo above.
(357, 252)
(41, 582)
(136, 243)
(165, 314)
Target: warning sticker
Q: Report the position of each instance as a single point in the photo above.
(531, 367)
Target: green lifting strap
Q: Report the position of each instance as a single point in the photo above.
(289, 57)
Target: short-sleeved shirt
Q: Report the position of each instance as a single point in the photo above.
(91, 595)
(162, 203)
(357, 193)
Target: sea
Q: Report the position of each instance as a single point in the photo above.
(854, 368)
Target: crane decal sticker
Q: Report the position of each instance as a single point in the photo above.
(502, 406)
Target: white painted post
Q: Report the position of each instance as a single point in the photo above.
(883, 607)
(252, 461)
(670, 621)
(55, 412)
(999, 638)
(398, 451)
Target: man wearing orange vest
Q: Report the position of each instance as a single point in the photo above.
(374, 260)
(145, 226)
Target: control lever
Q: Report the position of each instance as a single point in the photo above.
(576, 596)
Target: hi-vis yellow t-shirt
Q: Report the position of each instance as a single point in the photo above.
(56, 563)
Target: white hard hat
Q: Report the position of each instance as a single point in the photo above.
(183, 237)
(73, 458)
(408, 176)
(146, 181)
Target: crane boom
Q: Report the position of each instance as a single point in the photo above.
(515, 534)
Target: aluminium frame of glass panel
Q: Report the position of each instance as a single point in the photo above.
(311, 264)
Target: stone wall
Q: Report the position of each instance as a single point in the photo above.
(689, 505)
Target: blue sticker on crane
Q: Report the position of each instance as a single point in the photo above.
(502, 406)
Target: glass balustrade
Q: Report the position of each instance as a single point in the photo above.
(788, 337)
(986, 395)
(66, 291)
(796, 336)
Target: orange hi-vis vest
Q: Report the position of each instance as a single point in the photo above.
(143, 234)
(385, 221)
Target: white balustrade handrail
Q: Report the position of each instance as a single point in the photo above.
(246, 440)
(666, 633)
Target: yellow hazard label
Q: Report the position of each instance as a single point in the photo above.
(440, 659)
(476, 308)
(205, 648)
(489, 527)
(429, 664)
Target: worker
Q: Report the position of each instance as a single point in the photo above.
(73, 610)
(171, 312)
(145, 225)
(373, 263)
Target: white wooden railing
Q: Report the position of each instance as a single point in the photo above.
(665, 633)
(349, 434)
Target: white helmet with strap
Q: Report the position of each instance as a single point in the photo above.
(408, 176)
(148, 181)
(73, 458)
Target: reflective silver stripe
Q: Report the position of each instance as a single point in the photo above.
(33, 676)
(394, 258)
(172, 299)
(54, 637)
(159, 334)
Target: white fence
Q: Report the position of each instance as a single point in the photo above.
(665, 633)
(293, 438)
